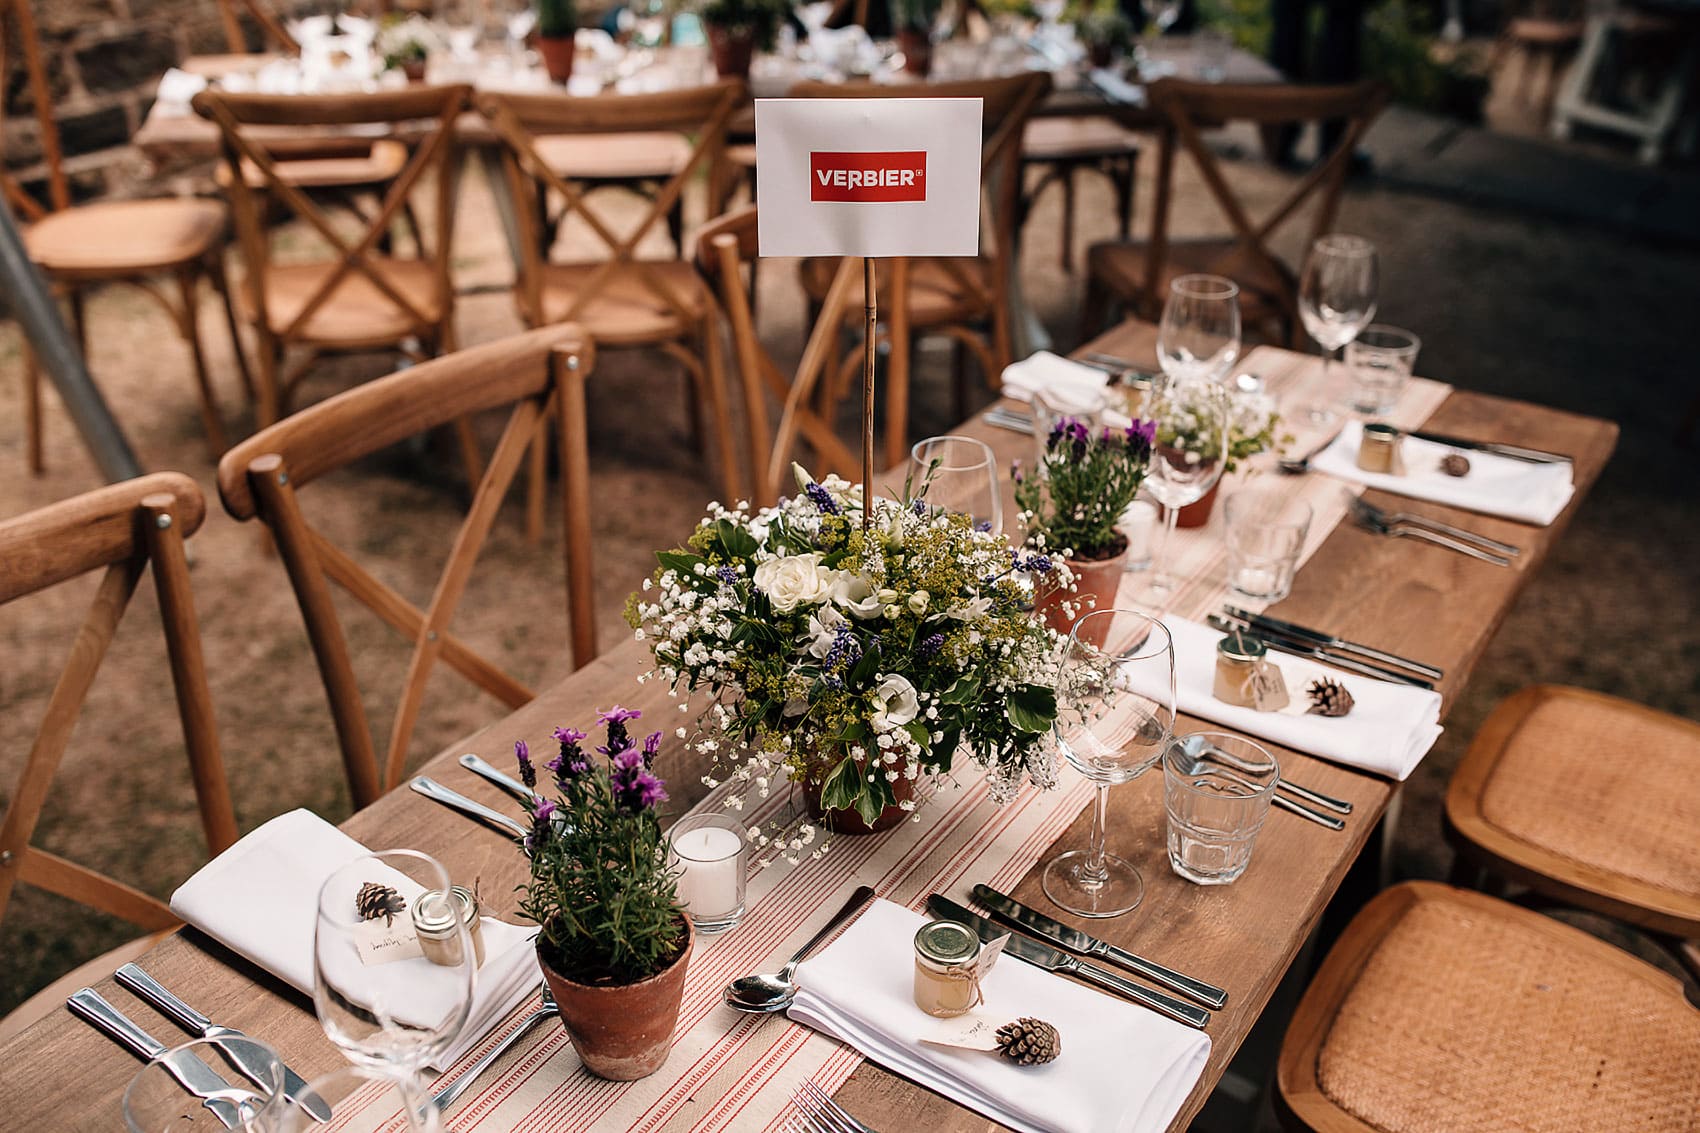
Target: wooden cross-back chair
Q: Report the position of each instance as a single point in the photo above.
(533, 375)
(120, 530)
(1136, 275)
(726, 249)
(276, 36)
(356, 299)
(964, 298)
(623, 300)
(144, 243)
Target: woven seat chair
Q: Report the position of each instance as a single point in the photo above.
(1590, 801)
(1441, 1010)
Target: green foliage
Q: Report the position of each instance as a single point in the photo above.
(1104, 24)
(915, 15)
(762, 18)
(1088, 480)
(1399, 52)
(557, 19)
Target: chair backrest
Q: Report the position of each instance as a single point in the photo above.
(123, 529)
(724, 248)
(230, 15)
(531, 375)
(1190, 107)
(425, 115)
(700, 113)
(18, 15)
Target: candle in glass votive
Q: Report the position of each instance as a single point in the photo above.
(1137, 523)
(709, 852)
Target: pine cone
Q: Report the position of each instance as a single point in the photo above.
(1454, 464)
(1329, 698)
(1029, 1041)
(374, 901)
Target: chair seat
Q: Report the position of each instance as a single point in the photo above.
(1539, 32)
(357, 314)
(1598, 795)
(1441, 1009)
(118, 238)
(1076, 139)
(624, 310)
(614, 157)
(1120, 269)
(936, 297)
(386, 159)
(52, 997)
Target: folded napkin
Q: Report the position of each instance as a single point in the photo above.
(1389, 730)
(1495, 485)
(175, 89)
(1122, 1067)
(260, 899)
(1065, 384)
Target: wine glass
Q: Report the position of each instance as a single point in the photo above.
(958, 474)
(393, 1015)
(1337, 292)
(464, 23)
(1199, 335)
(376, 1097)
(1186, 462)
(1160, 16)
(1115, 715)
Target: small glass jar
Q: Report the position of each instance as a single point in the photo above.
(1238, 658)
(947, 957)
(434, 917)
(1378, 449)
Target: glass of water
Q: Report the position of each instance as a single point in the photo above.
(1216, 789)
(1381, 360)
(1266, 529)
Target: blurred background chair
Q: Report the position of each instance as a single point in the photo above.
(1058, 148)
(124, 529)
(1544, 35)
(274, 36)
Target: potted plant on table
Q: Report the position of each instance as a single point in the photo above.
(1252, 425)
(913, 22)
(853, 662)
(1105, 30)
(557, 21)
(405, 41)
(737, 29)
(1071, 506)
(612, 941)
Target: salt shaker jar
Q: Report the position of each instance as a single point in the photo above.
(947, 957)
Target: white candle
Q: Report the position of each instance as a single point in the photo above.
(712, 859)
(1138, 521)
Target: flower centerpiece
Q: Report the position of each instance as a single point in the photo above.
(612, 940)
(852, 663)
(1253, 423)
(557, 25)
(912, 24)
(737, 29)
(405, 41)
(1085, 481)
(1105, 30)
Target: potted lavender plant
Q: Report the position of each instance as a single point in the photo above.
(737, 29)
(613, 942)
(557, 21)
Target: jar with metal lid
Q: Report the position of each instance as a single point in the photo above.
(947, 958)
(435, 915)
(1378, 448)
(1238, 657)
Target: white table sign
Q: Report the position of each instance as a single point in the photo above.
(868, 176)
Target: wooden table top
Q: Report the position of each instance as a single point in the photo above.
(1418, 600)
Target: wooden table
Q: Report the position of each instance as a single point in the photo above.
(1421, 601)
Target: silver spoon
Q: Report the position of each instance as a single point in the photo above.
(768, 992)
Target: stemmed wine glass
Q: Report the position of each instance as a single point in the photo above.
(1186, 462)
(1199, 335)
(1337, 292)
(395, 1016)
(1115, 715)
(958, 474)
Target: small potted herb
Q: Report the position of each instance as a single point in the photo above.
(557, 21)
(1085, 481)
(612, 941)
(404, 42)
(737, 29)
(1252, 423)
(1105, 30)
(913, 22)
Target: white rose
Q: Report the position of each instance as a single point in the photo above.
(898, 703)
(790, 581)
(853, 592)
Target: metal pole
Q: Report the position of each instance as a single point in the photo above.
(32, 305)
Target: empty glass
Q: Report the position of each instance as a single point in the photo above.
(157, 1102)
(1216, 790)
(381, 1101)
(1186, 462)
(1198, 337)
(1266, 529)
(1337, 292)
(1380, 361)
(958, 474)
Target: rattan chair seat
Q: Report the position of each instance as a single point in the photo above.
(120, 237)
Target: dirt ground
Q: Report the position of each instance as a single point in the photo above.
(1572, 317)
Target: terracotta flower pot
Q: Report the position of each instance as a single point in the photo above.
(917, 48)
(1096, 582)
(557, 52)
(1197, 513)
(850, 821)
(415, 71)
(733, 49)
(1100, 55)
(622, 1032)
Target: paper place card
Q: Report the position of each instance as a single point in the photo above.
(380, 943)
(972, 1031)
(868, 176)
(989, 956)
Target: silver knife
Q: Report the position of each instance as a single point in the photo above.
(1017, 915)
(1514, 452)
(454, 800)
(218, 1095)
(1298, 647)
(520, 793)
(246, 1055)
(1328, 640)
(1055, 960)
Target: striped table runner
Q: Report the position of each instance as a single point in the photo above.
(737, 1072)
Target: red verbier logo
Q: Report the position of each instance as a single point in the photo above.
(868, 177)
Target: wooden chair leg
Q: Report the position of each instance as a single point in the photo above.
(190, 325)
(32, 412)
(537, 482)
(575, 491)
(270, 355)
(1094, 308)
(714, 372)
(897, 394)
(1067, 257)
(221, 284)
(1123, 177)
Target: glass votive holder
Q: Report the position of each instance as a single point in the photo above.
(1216, 791)
(1138, 523)
(710, 853)
(156, 1101)
(1265, 532)
(1380, 361)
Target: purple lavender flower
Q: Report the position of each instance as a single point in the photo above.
(845, 651)
(931, 644)
(572, 762)
(634, 787)
(617, 715)
(527, 773)
(728, 575)
(920, 508)
(545, 811)
(651, 747)
(1034, 564)
(618, 738)
(823, 500)
(1015, 473)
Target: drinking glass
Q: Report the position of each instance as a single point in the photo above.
(1115, 714)
(958, 474)
(393, 1015)
(1199, 336)
(1380, 359)
(382, 1101)
(1052, 407)
(1186, 462)
(156, 1101)
(1216, 792)
(1337, 292)
(1266, 529)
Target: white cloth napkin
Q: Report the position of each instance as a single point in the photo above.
(1122, 1067)
(1388, 731)
(1495, 485)
(1066, 384)
(175, 89)
(260, 899)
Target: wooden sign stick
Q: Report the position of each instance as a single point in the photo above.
(870, 349)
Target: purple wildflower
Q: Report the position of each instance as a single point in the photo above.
(845, 651)
(1015, 473)
(1070, 431)
(618, 738)
(572, 761)
(617, 715)
(1141, 435)
(634, 787)
(527, 773)
(823, 500)
(1034, 564)
(920, 508)
(728, 575)
(651, 747)
(545, 811)
(931, 644)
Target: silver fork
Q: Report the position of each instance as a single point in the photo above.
(823, 1115)
(1410, 519)
(449, 1094)
(1398, 531)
